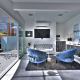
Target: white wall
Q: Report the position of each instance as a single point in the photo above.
(70, 26)
(31, 25)
(60, 30)
(63, 29)
(67, 28)
(7, 6)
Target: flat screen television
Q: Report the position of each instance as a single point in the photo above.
(41, 33)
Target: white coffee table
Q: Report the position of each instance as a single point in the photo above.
(48, 51)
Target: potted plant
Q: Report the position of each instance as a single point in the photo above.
(70, 38)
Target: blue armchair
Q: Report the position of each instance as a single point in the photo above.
(36, 56)
(67, 55)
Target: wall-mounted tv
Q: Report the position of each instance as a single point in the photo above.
(41, 33)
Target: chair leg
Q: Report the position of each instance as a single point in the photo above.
(46, 61)
(56, 61)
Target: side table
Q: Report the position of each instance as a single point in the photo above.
(48, 51)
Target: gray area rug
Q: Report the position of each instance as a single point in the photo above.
(53, 65)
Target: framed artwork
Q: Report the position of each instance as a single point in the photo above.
(28, 33)
(76, 32)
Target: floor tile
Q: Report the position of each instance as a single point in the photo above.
(53, 78)
(68, 76)
(51, 73)
(23, 64)
(25, 57)
(28, 78)
(29, 73)
(67, 71)
(75, 75)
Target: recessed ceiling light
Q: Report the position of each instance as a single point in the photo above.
(30, 14)
(60, 14)
(34, 12)
(35, 19)
(65, 12)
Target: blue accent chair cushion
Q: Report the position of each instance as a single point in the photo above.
(36, 56)
(67, 55)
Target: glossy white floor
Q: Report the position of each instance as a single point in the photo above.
(40, 74)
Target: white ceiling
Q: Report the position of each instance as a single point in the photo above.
(49, 15)
(44, 14)
(48, 1)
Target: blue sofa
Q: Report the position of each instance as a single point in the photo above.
(36, 56)
(66, 55)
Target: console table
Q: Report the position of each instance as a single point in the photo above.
(48, 53)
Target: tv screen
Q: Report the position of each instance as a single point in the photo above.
(42, 33)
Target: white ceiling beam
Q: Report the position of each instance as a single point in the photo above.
(21, 6)
(48, 1)
(8, 17)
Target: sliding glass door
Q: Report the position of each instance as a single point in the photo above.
(20, 41)
(8, 46)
